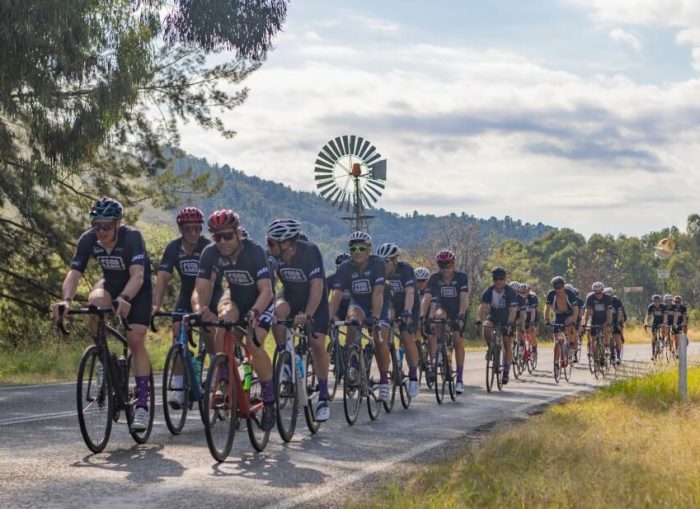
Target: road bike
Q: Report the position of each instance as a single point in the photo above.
(106, 385)
(563, 353)
(441, 362)
(598, 364)
(398, 376)
(494, 353)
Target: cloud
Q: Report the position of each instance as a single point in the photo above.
(619, 35)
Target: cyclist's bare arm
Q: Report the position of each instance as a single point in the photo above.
(315, 294)
(410, 294)
(70, 286)
(265, 295)
(336, 297)
(202, 293)
(482, 311)
(425, 304)
(377, 300)
(463, 303)
(162, 280)
(545, 312)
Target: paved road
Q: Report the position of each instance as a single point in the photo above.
(43, 461)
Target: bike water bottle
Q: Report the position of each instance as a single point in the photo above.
(195, 368)
(247, 375)
(123, 368)
(300, 366)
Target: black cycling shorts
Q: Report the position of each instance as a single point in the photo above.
(141, 304)
(321, 317)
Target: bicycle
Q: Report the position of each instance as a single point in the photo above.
(493, 357)
(358, 382)
(337, 360)
(529, 355)
(229, 397)
(566, 353)
(105, 384)
(295, 364)
(424, 367)
(189, 365)
(661, 346)
(518, 362)
(398, 377)
(442, 374)
(600, 365)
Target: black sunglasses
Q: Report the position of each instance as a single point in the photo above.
(103, 227)
(218, 237)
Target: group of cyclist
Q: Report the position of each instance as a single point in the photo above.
(371, 290)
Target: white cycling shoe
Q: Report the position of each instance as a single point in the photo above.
(140, 422)
(413, 388)
(459, 387)
(383, 392)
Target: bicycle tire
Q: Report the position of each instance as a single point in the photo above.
(489, 369)
(352, 385)
(258, 437)
(497, 367)
(286, 395)
(311, 389)
(221, 410)
(440, 377)
(99, 400)
(447, 360)
(668, 350)
(514, 362)
(393, 373)
(140, 437)
(173, 421)
(569, 364)
(373, 403)
(335, 369)
(403, 387)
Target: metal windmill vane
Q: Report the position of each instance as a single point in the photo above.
(351, 175)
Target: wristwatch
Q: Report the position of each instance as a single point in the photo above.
(125, 297)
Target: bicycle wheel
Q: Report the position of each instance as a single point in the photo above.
(668, 350)
(311, 394)
(514, 360)
(221, 409)
(447, 360)
(403, 385)
(497, 367)
(140, 437)
(175, 413)
(373, 403)
(557, 363)
(489, 368)
(94, 398)
(258, 437)
(569, 364)
(352, 385)
(393, 383)
(440, 376)
(287, 398)
(335, 369)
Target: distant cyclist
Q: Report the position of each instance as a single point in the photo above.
(304, 296)
(182, 255)
(619, 316)
(447, 298)
(499, 308)
(400, 277)
(532, 314)
(126, 279)
(599, 311)
(657, 312)
(562, 303)
(330, 282)
(243, 264)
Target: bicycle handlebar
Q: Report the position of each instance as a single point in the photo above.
(170, 314)
(89, 310)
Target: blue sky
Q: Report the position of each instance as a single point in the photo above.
(575, 113)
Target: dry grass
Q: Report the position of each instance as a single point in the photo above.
(630, 445)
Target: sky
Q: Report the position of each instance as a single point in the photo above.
(575, 113)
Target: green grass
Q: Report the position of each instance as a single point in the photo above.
(629, 445)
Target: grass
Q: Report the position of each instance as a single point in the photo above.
(629, 445)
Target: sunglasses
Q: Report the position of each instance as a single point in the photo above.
(358, 249)
(499, 279)
(191, 228)
(421, 280)
(558, 287)
(103, 227)
(223, 237)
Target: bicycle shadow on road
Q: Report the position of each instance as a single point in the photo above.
(142, 463)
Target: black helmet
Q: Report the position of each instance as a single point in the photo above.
(558, 281)
(342, 257)
(498, 273)
(106, 208)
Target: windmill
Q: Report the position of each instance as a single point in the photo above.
(351, 174)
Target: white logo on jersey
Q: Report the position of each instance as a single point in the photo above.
(111, 262)
(189, 267)
(448, 291)
(599, 307)
(293, 275)
(138, 257)
(238, 277)
(396, 286)
(361, 286)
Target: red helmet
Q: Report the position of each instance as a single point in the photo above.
(190, 215)
(225, 219)
(446, 256)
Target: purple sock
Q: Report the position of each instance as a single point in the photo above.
(460, 370)
(268, 393)
(323, 389)
(142, 386)
(413, 373)
(384, 377)
(281, 348)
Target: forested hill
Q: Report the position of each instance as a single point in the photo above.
(260, 201)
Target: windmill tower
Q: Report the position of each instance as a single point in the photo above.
(351, 174)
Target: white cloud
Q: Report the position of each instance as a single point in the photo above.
(619, 35)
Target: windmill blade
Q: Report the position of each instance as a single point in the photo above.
(377, 183)
(323, 161)
(363, 149)
(365, 201)
(370, 199)
(335, 150)
(352, 144)
(326, 187)
(378, 170)
(325, 175)
(339, 145)
(327, 156)
(373, 193)
(346, 144)
(369, 153)
(333, 194)
(374, 190)
(373, 158)
(339, 198)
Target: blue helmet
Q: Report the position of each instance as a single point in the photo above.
(106, 208)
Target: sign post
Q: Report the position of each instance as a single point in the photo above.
(663, 273)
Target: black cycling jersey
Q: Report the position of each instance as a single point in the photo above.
(657, 313)
(619, 313)
(344, 300)
(571, 301)
(242, 275)
(296, 276)
(522, 305)
(599, 308)
(447, 293)
(360, 283)
(129, 250)
(500, 303)
(401, 279)
(681, 312)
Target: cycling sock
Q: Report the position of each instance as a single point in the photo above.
(534, 348)
(506, 368)
(619, 353)
(413, 373)
(384, 377)
(460, 370)
(323, 389)
(281, 348)
(142, 386)
(267, 392)
(178, 381)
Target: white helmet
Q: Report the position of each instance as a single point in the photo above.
(598, 287)
(359, 237)
(514, 285)
(667, 297)
(523, 286)
(608, 291)
(569, 286)
(388, 250)
(421, 273)
(283, 229)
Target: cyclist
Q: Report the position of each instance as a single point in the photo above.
(682, 317)
(183, 254)
(565, 308)
(679, 316)
(501, 302)
(598, 312)
(250, 300)
(658, 311)
(619, 317)
(304, 296)
(447, 298)
(126, 279)
(364, 277)
(577, 328)
(520, 317)
(330, 281)
(532, 314)
(668, 321)
(400, 277)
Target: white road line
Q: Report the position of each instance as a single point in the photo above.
(330, 487)
(31, 418)
(21, 387)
